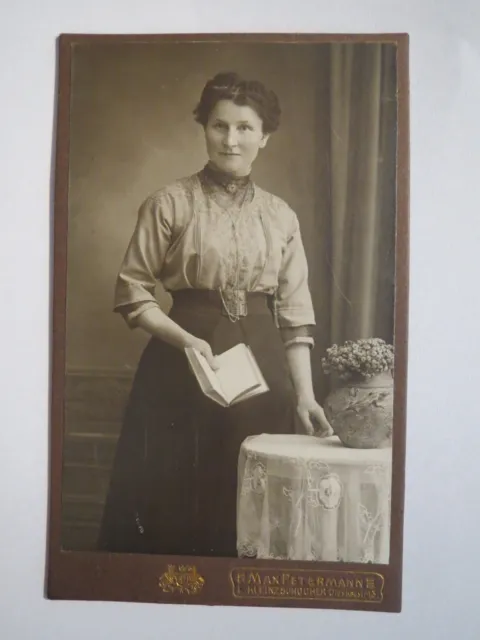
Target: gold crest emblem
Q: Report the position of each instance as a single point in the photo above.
(183, 579)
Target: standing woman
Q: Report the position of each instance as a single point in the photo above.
(231, 256)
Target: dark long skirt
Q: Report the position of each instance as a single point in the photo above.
(174, 480)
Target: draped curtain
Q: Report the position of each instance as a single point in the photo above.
(353, 275)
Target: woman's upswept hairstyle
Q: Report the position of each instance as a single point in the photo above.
(252, 93)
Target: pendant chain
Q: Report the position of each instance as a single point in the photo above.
(235, 294)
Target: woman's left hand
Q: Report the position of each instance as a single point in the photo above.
(313, 419)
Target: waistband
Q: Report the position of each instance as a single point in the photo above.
(257, 302)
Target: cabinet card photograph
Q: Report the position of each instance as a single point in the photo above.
(229, 344)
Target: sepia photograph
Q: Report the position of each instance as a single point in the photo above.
(230, 318)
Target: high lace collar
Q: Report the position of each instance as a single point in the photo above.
(228, 183)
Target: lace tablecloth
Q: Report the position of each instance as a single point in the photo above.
(304, 498)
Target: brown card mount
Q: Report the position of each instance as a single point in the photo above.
(318, 523)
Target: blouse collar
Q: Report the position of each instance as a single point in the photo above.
(228, 183)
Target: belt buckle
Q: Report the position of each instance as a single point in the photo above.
(234, 303)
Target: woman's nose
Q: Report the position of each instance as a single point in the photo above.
(231, 138)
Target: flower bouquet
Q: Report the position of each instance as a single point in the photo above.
(364, 358)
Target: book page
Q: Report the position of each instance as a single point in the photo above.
(236, 374)
(262, 383)
(205, 375)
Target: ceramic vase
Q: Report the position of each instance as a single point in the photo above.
(361, 412)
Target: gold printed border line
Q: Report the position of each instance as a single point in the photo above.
(327, 574)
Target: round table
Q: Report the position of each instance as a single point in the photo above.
(306, 498)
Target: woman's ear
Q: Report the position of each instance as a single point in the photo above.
(264, 140)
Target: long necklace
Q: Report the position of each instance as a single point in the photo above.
(233, 298)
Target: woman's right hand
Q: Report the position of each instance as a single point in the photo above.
(205, 349)
(161, 326)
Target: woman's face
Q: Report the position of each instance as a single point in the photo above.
(233, 135)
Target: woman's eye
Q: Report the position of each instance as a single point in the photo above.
(245, 127)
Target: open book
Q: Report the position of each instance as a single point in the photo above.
(237, 378)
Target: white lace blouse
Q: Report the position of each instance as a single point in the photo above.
(188, 235)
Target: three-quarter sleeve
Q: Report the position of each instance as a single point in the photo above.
(143, 261)
(297, 335)
(293, 303)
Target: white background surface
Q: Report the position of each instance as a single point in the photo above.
(442, 521)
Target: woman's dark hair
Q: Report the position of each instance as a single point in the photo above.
(252, 93)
